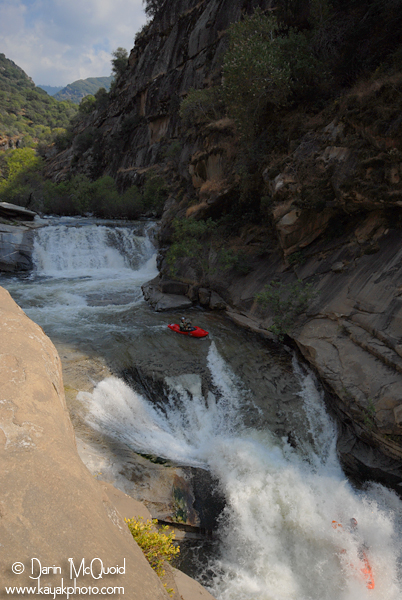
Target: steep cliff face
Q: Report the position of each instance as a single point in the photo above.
(182, 48)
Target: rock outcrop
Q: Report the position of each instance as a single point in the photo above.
(53, 513)
(16, 247)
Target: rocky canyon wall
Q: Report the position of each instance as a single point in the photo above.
(182, 48)
(326, 209)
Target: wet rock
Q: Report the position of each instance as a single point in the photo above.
(169, 302)
(216, 302)
(16, 247)
(163, 302)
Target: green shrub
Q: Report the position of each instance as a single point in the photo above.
(262, 67)
(119, 61)
(83, 141)
(101, 98)
(155, 193)
(128, 125)
(152, 7)
(20, 175)
(173, 152)
(201, 106)
(239, 261)
(131, 204)
(157, 546)
(87, 105)
(286, 301)
(191, 239)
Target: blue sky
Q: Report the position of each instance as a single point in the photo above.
(59, 41)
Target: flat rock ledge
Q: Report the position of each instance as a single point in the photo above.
(174, 295)
(162, 300)
(53, 512)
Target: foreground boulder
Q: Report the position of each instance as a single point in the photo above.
(53, 514)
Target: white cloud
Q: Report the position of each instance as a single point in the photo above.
(59, 41)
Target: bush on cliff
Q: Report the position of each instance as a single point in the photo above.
(191, 239)
(152, 7)
(202, 106)
(157, 546)
(119, 61)
(263, 68)
(286, 302)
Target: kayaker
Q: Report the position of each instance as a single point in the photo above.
(361, 551)
(185, 324)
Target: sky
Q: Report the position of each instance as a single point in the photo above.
(57, 42)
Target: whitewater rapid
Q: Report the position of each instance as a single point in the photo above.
(85, 272)
(276, 536)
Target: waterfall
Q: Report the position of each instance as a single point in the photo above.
(89, 251)
(277, 539)
(85, 272)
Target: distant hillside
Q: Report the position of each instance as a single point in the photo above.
(27, 112)
(51, 89)
(77, 90)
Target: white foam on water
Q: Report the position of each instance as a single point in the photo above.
(183, 429)
(90, 251)
(277, 539)
(85, 274)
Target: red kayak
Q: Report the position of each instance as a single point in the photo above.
(195, 332)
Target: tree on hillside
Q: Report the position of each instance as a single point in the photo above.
(152, 7)
(119, 61)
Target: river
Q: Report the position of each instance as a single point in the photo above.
(247, 412)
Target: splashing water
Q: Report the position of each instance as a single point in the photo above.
(184, 429)
(88, 251)
(84, 275)
(277, 542)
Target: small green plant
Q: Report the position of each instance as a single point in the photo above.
(297, 258)
(200, 106)
(173, 152)
(239, 261)
(286, 301)
(157, 546)
(369, 415)
(155, 193)
(191, 239)
(371, 408)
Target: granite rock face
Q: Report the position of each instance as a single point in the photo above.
(351, 335)
(51, 508)
(16, 246)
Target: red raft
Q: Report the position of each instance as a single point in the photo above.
(195, 332)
